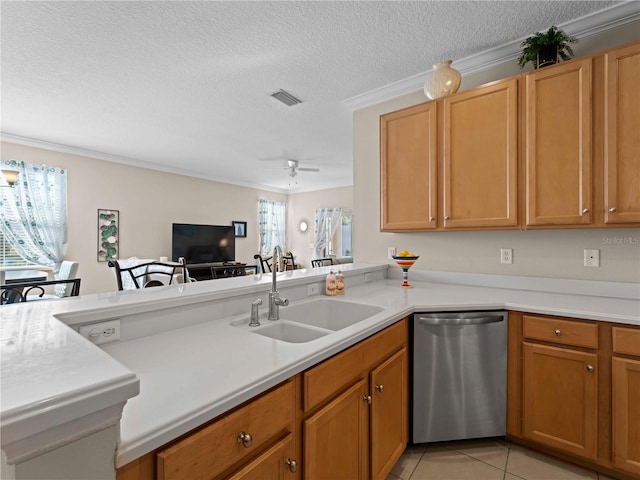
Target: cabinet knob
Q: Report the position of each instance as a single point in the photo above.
(446, 217)
(589, 368)
(612, 210)
(380, 388)
(431, 219)
(585, 211)
(557, 332)
(367, 398)
(291, 464)
(245, 438)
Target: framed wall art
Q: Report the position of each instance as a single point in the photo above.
(240, 229)
(108, 234)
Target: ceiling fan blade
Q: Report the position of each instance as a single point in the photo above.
(304, 169)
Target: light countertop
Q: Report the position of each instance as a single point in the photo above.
(193, 369)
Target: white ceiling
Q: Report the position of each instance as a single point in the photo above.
(185, 86)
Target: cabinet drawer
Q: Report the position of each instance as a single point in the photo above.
(214, 448)
(328, 378)
(626, 340)
(564, 332)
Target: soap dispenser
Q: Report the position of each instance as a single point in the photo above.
(330, 284)
(340, 285)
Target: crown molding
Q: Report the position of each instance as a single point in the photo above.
(607, 19)
(57, 147)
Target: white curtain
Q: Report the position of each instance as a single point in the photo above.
(34, 212)
(327, 221)
(272, 224)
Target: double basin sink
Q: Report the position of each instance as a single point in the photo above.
(310, 320)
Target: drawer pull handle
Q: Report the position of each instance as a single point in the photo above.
(431, 219)
(291, 464)
(585, 211)
(245, 438)
(612, 210)
(380, 388)
(446, 217)
(589, 368)
(367, 398)
(557, 332)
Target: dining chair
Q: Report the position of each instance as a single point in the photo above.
(264, 264)
(321, 262)
(33, 291)
(132, 274)
(289, 261)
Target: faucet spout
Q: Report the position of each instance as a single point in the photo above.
(275, 302)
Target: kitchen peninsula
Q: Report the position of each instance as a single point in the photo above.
(182, 348)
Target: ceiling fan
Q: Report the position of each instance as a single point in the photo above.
(292, 168)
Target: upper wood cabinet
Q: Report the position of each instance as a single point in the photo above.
(622, 135)
(480, 156)
(408, 168)
(473, 143)
(554, 148)
(558, 144)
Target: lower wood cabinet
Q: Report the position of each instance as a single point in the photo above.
(336, 439)
(347, 417)
(574, 391)
(626, 399)
(560, 393)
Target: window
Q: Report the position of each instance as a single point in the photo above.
(8, 255)
(272, 225)
(333, 232)
(34, 215)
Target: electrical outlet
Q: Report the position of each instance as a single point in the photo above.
(101, 332)
(506, 255)
(313, 289)
(368, 277)
(592, 257)
(391, 251)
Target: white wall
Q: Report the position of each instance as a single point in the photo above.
(554, 253)
(148, 201)
(303, 205)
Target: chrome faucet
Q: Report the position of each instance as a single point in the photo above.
(275, 302)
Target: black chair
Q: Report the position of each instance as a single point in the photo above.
(289, 261)
(322, 262)
(145, 274)
(19, 292)
(263, 262)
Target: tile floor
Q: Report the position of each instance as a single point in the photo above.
(483, 459)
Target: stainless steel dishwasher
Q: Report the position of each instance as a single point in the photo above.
(459, 373)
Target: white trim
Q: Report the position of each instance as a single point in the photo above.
(57, 147)
(592, 24)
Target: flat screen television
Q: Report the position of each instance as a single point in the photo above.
(203, 243)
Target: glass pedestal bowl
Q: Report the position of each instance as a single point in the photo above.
(405, 263)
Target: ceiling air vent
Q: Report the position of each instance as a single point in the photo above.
(286, 98)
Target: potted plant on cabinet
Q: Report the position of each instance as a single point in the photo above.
(544, 48)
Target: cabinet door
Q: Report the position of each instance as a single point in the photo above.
(408, 168)
(560, 398)
(626, 415)
(480, 157)
(277, 463)
(622, 140)
(558, 144)
(336, 439)
(389, 418)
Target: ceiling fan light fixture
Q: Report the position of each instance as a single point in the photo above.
(286, 98)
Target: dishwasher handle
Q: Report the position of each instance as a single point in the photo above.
(441, 319)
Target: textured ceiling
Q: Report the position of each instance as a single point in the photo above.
(185, 86)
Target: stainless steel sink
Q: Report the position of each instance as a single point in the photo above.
(328, 313)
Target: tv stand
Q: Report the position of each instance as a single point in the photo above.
(209, 271)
